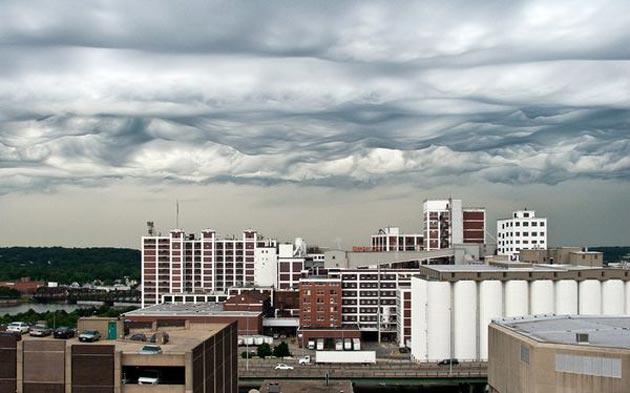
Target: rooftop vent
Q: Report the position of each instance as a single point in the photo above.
(581, 338)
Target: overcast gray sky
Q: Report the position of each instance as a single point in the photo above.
(325, 120)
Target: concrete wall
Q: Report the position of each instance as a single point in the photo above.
(44, 366)
(509, 372)
(246, 325)
(101, 325)
(93, 369)
(8, 364)
(563, 256)
(212, 367)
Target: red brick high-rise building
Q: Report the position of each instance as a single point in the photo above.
(320, 302)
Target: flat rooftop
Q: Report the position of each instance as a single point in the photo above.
(188, 310)
(613, 331)
(520, 271)
(505, 267)
(181, 340)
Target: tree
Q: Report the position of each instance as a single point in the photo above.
(281, 350)
(9, 293)
(264, 350)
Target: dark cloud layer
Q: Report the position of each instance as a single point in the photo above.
(321, 93)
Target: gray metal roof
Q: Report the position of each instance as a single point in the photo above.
(613, 331)
(506, 267)
(188, 309)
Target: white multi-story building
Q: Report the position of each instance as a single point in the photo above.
(390, 239)
(447, 223)
(522, 231)
(291, 259)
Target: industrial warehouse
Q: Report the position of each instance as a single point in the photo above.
(550, 353)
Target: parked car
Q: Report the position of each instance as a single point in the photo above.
(150, 350)
(63, 332)
(39, 330)
(138, 337)
(282, 366)
(149, 377)
(304, 360)
(447, 362)
(19, 327)
(154, 337)
(89, 336)
(17, 335)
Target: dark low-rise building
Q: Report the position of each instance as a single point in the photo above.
(194, 360)
(248, 322)
(578, 354)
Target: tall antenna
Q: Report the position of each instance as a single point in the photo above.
(177, 213)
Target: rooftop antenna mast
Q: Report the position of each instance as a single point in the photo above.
(177, 213)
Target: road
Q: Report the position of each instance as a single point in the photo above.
(259, 368)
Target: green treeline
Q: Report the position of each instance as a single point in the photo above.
(613, 254)
(61, 317)
(67, 265)
(8, 293)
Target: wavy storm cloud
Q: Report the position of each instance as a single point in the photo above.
(323, 93)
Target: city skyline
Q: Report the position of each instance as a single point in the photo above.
(325, 121)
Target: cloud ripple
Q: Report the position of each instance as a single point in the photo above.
(332, 94)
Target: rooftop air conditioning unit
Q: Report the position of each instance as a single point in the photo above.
(581, 338)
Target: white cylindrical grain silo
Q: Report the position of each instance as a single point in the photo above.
(566, 297)
(419, 319)
(516, 298)
(613, 294)
(490, 307)
(590, 297)
(465, 320)
(438, 320)
(541, 297)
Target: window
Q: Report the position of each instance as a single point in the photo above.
(542, 223)
(526, 224)
(524, 354)
(534, 224)
(517, 223)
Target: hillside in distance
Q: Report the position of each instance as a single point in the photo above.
(67, 265)
(613, 254)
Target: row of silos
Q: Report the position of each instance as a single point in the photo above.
(454, 317)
